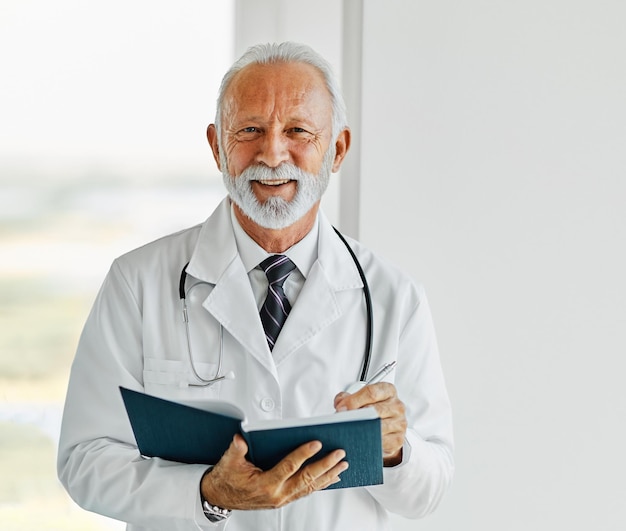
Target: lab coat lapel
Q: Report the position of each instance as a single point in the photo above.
(315, 309)
(215, 260)
(319, 303)
(231, 302)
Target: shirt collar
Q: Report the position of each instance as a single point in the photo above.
(303, 254)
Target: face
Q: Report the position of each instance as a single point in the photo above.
(276, 212)
(275, 151)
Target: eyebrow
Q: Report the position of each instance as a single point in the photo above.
(297, 119)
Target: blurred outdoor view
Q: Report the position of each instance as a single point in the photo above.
(103, 110)
(58, 239)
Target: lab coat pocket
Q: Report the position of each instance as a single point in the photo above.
(175, 379)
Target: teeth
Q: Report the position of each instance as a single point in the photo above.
(274, 183)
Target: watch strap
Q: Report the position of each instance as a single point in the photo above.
(214, 513)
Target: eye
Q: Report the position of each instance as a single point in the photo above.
(250, 132)
(299, 132)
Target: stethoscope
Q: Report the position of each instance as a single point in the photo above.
(202, 382)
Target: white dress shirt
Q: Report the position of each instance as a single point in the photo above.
(303, 254)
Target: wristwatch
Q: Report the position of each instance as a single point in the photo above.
(214, 513)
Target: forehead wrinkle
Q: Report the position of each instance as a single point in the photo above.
(296, 103)
(271, 115)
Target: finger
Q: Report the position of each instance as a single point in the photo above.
(393, 424)
(393, 432)
(318, 475)
(392, 443)
(389, 427)
(392, 449)
(324, 465)
(368, 396)
(391, 409)
(227, 472)
(239, 445)
(339, 397)
(237, 449)
(331, 476)
(334, 475)
(292, 462)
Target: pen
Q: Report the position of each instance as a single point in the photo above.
(381, 373)
(377, 377)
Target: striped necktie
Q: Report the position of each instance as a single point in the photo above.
(276, 307)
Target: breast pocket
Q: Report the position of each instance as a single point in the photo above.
(175, 379)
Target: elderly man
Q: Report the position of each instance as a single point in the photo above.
(293, 341)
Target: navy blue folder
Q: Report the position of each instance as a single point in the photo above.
(189, 434)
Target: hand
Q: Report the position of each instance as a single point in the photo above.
(235, 483)
(384, 398)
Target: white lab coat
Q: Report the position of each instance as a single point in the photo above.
(135, 337)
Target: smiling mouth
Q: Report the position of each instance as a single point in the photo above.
(274, 182)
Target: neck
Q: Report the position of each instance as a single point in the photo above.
(278, 240)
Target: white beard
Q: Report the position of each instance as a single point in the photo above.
(276, 212)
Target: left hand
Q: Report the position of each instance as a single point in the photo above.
(384, 398)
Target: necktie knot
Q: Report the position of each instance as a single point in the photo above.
(277, 268)
(276, 307)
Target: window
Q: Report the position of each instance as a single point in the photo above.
(104, 108)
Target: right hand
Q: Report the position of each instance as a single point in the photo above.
(235, 483)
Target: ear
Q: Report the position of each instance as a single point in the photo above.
(342, 145)
(211, 134)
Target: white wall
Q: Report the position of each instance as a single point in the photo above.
(493, 168)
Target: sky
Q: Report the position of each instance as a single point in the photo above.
(128, 85)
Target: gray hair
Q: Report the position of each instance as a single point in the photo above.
(286, 52)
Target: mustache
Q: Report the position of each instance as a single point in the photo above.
(286, 171)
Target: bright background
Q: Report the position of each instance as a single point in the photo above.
(103, 112)
(488, 162)
(501, 184)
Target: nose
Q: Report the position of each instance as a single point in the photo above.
(273, 149)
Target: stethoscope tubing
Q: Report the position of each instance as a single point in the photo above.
(369, 333)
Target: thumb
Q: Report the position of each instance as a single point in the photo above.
(339, 398)
(239, 445)
(237, 449)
